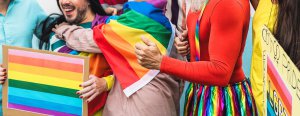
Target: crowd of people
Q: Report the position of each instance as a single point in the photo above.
(209, 44)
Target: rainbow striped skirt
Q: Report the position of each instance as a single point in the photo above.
(232, 100)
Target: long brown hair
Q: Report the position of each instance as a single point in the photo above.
(287, 29)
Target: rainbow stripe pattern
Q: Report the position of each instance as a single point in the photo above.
(44, 83)
(117, 39)
(277, 88)
(197, 31)
(232, 100)
(197, 42)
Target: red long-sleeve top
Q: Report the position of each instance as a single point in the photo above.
(223, 32)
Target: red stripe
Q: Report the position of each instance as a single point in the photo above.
(45, 63)
(279, 85)
(121, 68)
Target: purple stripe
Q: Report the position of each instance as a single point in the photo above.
(99, 20)
(206, 100)
(221, 101)
(65, 49)
(38, 110)
(161, 4)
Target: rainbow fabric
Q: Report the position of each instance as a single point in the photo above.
(118, 37)
(232, 100)
(197, 42)
(197, 31)
(44, 83)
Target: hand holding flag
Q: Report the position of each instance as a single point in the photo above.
(148, 54)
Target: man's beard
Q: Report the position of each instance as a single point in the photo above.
(81, 15)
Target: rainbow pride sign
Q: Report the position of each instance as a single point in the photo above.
(43, 83)
(281, 78)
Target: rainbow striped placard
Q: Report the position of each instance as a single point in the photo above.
(42, 82)
(280, 77)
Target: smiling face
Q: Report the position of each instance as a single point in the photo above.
(75, 11)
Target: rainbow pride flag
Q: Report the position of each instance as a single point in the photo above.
(117, 39)
(44, 83)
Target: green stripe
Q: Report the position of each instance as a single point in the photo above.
(158, 31)
(58, 44)
(202, 98)
(86, 25)
(43, 88)
(228, 102)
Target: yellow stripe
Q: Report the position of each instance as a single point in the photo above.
(44, 80)
(45, 71)
(85, 54)
(126, 50)
(216, 101)
(231, 99)
(133, 38)
(109, 81)
(243, 100)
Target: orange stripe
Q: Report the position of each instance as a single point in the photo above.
(119, 44)
(46, 63)
(98, 64)
(280, 96)
(285, 105)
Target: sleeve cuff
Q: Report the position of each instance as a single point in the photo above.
(164, 64)
(109, 81)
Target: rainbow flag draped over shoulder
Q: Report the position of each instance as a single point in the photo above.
(117, 39)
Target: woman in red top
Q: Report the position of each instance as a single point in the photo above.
(219, 86)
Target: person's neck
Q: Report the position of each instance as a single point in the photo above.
(90, 16)
(3, 6)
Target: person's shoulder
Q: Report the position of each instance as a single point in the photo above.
(31, 1)
(218, 3)
(26, 3)
(225, 5)
(230, 9)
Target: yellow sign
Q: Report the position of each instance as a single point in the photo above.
(281, 78)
